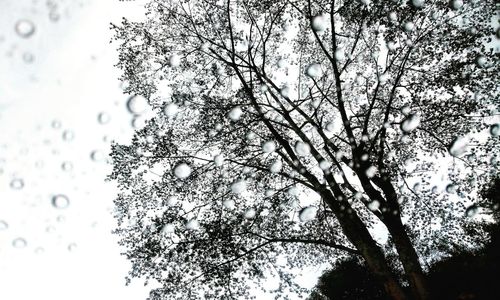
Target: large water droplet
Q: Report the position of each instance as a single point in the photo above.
(410, 123)
(276, 166)
(249, 213)
(192, 224)
(239, 186)
(313, 70)
(182, 171)
(307, 213)
(219, 160)
(418, 3)
(168, 228)
(235, 113)
(171, 109)
(25, 28)
(174, 60)
(19, 243)
(408, 26)
(458, 146)
(17, 183)
(471, 211)
(229, 204)
(318, 23)
(60, 201)
(137, 104)
(269, 147)
(302, 149)
(456, 4)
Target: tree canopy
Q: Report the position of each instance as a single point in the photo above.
(285, 130)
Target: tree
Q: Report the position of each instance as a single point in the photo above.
(291, 127)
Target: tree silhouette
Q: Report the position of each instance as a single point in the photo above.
(463, 274)
(286, 129)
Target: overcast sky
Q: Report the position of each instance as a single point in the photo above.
(56, 77)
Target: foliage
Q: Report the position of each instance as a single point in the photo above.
(286, 129)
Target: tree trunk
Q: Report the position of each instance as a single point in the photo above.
(408, 257)
(357, 233)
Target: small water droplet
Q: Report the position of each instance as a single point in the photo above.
(103, 118)
(17, 184)
(182, 171)
(171, 109)
(458, 146)
(67, 166)
(60, 201)
(28, 57)
(495, 130)
(72, 247)
(410, 123)
(3, 225)
(97, 156)
(269, 147)
(314, 70)
(174, 60)
(471, 211)
(451, 188)
(235, 113)
(68, 135)
(25, 28)
(19, 243)
(228, 204)
(307, 213)
(302, 149)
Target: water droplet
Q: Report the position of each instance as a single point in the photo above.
(471, 211)
(192, 224)
(103, 118)
(393, 17)
(408, 26)
(285, 92)
(495, 130)
(137, 104)
(293, 191)
(182, 171)
(17, 184)
(68, 135)
(481, 61)
(19, 243)
(172, 200)
(97, 156)
(418, 3)
(60, 201)
(456, 4)
(318, 23)
(168, 228)
(72, 247)
(302, 149)
(276, 166)
(56, 124)
(170, 110)
(410, 123)
(307, 213)
(374, 205)
(269, 147)
(451, 188)
(25, 28)
(28, 57)
(174, 60)
(235, 113)
(54, 16)
(314, 70)
(324, 165)
(458, 146)
(249, 213)
(371, 171)
(67, 166)
(339, 54)
(219, 160)
(3, 225)
(250, 135)
(39, 250)
(228, 204)
(239, 186)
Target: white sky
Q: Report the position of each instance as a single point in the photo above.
(71, 80)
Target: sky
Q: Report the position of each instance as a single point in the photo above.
(60, 106)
